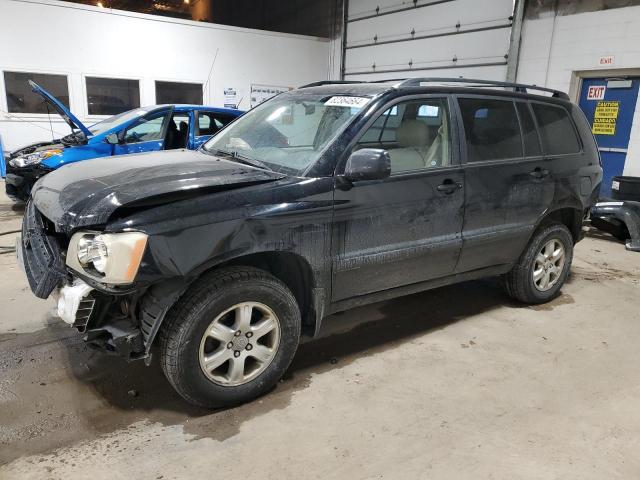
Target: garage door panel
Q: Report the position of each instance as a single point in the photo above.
(441, 18)
(479, 47)
(480, 73)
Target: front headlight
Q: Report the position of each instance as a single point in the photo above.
(34, 158)
(107, 257)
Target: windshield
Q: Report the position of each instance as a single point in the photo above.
(112, 122)
(289, 132)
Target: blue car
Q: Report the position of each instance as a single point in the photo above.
(145, 129)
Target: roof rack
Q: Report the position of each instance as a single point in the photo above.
(329, 82)
(517, 87)
(413, 82)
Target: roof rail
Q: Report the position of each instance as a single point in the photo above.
(329, 82)
(517, 87)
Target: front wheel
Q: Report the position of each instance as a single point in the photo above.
(543, 267)
(230, 338)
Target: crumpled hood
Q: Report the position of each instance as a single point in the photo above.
(89, 192)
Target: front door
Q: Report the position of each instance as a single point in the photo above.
(609, 105)
(147, 134)
(404, 229)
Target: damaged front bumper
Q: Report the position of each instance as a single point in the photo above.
(102, 318)
(20, 181)
(614, 217)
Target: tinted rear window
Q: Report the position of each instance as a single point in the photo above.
(492, 129)
(556, 130)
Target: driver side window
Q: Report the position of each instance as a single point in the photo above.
(146, 129)
(416, 133)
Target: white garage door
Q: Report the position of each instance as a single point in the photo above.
(427, 38)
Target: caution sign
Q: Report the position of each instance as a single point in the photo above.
(604, 120)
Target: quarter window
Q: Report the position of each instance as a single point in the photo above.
(491, 128)
(556, 129)
(110, 96)
(415, 133)
(20, 98)
(177, 92)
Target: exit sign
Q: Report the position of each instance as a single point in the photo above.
(596, 92)
(606, 61)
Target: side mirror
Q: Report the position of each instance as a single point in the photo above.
(368, 164)
(112, 139)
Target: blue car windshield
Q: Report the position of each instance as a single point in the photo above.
(289, 132)
(114, 121)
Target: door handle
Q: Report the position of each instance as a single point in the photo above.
(539, 172)
(449, 186)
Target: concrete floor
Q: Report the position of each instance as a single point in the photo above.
(454, 383)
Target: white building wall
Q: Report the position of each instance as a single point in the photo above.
(556, 51)
(49, 36)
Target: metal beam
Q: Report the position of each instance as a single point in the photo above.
(514, 41)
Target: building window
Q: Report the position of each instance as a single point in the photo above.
(110, 96)
(20, 98)
(176, 92)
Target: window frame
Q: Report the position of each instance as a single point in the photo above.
(35, 116)
(85, 93)
(454, 129)
(155, 89)
(573, 125)
(527, 105)
(463, 133)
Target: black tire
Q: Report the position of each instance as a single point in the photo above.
(189, 318)
(519, 283)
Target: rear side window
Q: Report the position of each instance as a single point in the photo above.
(529, 133)
(210, 123)
(491, 128)
(556, 130)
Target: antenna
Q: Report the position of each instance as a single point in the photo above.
(210, 70)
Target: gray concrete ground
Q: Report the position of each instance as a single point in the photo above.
(454, 383)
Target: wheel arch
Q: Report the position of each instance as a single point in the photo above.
(290, 268)
(570, 217)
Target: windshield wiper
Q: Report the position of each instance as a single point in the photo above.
(234, 155)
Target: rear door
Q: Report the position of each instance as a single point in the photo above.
(147, 134)
(508, 180)
(404, 229)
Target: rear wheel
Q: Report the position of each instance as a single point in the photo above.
(230, 338)
(543, 267)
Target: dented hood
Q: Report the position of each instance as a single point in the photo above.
(89, 192)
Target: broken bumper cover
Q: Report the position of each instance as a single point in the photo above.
(627, 213)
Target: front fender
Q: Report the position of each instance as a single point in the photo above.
(626, 212)
(78, 153)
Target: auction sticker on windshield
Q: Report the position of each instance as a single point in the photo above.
(357, 102)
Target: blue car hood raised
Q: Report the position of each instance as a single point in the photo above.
(88, 193)
(59, 107)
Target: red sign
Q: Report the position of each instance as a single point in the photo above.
(604, 61)
(596, 92)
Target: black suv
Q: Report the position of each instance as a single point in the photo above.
(320, 199)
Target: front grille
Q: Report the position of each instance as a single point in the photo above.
(42, 256)
(85, 308)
